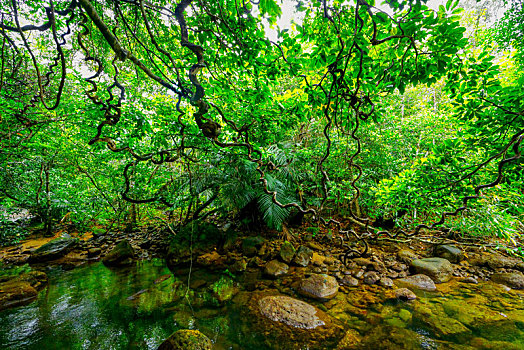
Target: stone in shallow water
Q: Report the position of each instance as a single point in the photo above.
(513, 280)
(420, 282)
(406, 256)
(290, 311)
(275, 268)
(404, 294)
(186, 339)
(319, 286)
(303, 256)
(438, 269)
(287, 252)
(121, 255)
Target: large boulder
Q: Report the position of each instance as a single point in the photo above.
(53, 250)
(438, 269)
(121, 255)
(186, 339)
(281, 322)
(319, 286)
(449, 252)
(513, 280)
(417, 282)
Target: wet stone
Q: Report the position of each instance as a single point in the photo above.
(513, 280)
(275, 268)
(386, 282)
(290, 311)
(121, 255)
(371, 277)
(406, 256)
(469, 279)
(420, 282)
(322, 287)
(287, 252)
(438, 269)
(350, 281)
(303, 256)
(404, 294)
(53, 250)
(449, 252)
(186, 339)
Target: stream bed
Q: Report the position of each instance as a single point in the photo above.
(94, 307)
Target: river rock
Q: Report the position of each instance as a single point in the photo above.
(290, 311)
(53, 250)
(94, 252)
(371, 277)
(275, 268)
(513, 280)
(15, 293)
(449, 252)
(406, 256)
(37, 279)
(319, 286)
(438, 269)
(187, 339)
(121, 255)
(303, 256)
(281, 322)
(404, 294)
(386, 282)
(22, 289)
(420, 282)
(349, 280)
(287, 252)
(211, 260)
(250, 245)
(498, 261)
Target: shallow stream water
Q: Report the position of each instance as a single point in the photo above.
(93, 307)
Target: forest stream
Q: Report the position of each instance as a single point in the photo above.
(138, 307)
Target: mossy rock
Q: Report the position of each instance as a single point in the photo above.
(186, 339)
(121, 255)
(53, 250)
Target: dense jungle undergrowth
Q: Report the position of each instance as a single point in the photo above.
(353, 120)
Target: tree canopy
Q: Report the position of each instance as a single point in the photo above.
(370, 110)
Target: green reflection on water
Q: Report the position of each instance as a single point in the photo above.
(88, 308)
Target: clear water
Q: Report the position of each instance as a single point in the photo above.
(93, 307)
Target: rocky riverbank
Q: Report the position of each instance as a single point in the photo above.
(301, 292)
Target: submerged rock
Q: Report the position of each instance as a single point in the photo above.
(281, 323)
(438, 269)
(513, 280)
(275, 268)
(319, 286)
(21, 290)
(53, 250)
(121, 255)
(404, 294)
(449, 252)
(290, 311)
(420, 282)
(186, 339)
